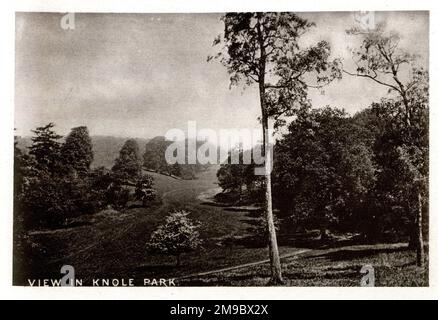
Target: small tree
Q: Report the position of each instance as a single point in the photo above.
(154, 155)
(77, 151)
(128, 164)
(176, 236)
(231, 177)
(45, 148)
(144, 190)
(108, 188)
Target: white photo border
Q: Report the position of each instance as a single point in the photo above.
(7, 21)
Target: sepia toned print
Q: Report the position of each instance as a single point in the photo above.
(228, 149)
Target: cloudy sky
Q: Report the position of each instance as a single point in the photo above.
(139, 75)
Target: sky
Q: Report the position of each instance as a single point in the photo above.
(139, 75)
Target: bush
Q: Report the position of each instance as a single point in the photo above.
(144, 190)
(176, 236)
(109, 188)
(49, 200)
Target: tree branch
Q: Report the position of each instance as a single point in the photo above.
(372, 78)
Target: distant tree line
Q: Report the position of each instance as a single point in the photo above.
(154, 159)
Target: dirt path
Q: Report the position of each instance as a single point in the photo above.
(298, 254)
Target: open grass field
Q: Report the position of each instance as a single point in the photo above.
(112, 244)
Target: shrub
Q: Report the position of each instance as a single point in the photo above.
(176, 236)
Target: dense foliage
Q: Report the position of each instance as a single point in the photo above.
(346, 174)
(55, 184)
(364, 174)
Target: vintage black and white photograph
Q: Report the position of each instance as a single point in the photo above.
(234, 149)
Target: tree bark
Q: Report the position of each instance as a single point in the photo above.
(420, 243)
(274, 255)
(419, 215)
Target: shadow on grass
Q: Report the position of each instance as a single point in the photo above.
(356, 254)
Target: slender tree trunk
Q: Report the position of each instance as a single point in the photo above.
(419, 216)
(273, 246)
(413, 236)
(274, 255)
(420, 243)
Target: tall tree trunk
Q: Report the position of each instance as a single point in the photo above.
(274, 255)
(412, 231)
(420, 243)
(419, 216)
(273, 247)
